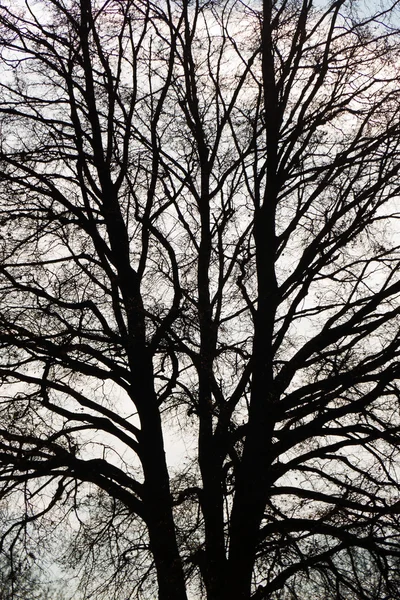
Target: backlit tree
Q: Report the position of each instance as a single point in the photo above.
(198, 213)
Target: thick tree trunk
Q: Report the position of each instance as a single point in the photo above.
(158, 502)
(253, 479)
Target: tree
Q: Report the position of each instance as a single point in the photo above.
(198, 235)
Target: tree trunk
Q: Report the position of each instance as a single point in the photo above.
(158, 501)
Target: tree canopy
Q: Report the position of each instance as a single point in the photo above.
(199, 293)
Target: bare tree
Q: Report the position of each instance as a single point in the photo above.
(198, 209)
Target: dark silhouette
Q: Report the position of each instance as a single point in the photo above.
(198, 215)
